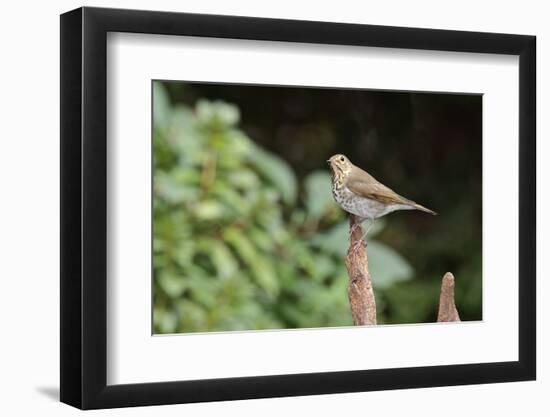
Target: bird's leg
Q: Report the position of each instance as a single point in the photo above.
(368, 228)
(355, 226)
(359, 243)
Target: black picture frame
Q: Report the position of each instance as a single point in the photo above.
(84, 207)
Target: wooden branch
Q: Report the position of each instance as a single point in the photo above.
(447, 308)
(360, 292)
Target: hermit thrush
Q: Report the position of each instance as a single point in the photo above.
(359, 193)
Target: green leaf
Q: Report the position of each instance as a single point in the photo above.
(323, 267)
(209, 210)
(244, 179)
(261, 239)
(172, 284)
(318, 193)
(204, 290)
(277, 171)
(336, 239)
(217, 114)
(192, 316)
(232, 199)
(173, 188)
(261, 268)
(165, 321)
(386, 265)
(161, 106)
(186, 140)
(222, 258)
(265, 276)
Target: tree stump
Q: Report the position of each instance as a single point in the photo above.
(447, 308)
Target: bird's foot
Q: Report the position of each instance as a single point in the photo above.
(358, 245)
(353, 227)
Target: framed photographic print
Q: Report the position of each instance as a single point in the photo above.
(257, 208)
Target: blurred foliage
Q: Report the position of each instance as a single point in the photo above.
(242, 242)
(426, 146)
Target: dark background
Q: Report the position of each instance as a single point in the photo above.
(425, 146)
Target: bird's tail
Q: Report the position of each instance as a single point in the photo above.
(422, 208)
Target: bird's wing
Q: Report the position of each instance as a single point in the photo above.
(377, 192)
(374, 190)
(364, 185)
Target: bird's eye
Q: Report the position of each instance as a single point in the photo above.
(341, 159)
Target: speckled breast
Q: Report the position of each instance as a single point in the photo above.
(360, 206)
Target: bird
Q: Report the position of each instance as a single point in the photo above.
(359, 193)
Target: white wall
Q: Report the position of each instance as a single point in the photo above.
(29, 177)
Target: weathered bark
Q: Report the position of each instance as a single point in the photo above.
(360, 292)
(447, 308)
